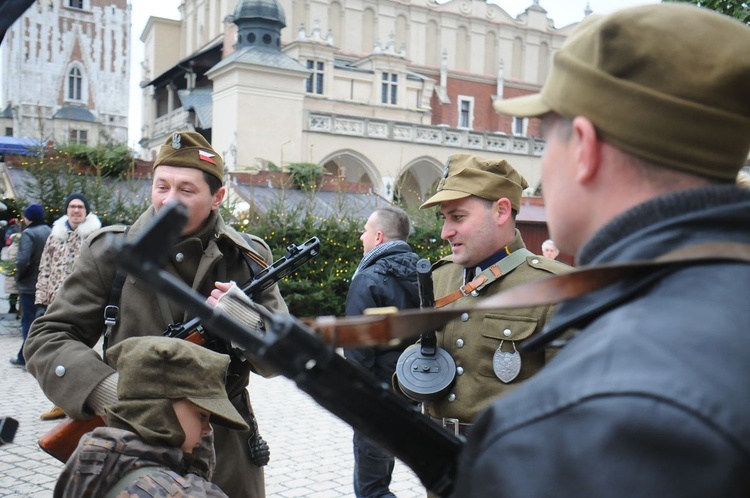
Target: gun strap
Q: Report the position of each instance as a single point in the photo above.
(252, 258)
(129, 478)
(486, 277)
(112, 310)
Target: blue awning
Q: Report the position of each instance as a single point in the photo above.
(21, 146)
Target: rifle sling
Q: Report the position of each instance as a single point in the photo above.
(374, 330)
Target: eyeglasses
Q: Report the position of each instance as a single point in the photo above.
(72, 206)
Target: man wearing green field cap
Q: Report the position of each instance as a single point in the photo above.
(478, 199)
(646, 116)
(60, 350)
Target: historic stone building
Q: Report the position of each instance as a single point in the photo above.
(66, 65)
(378, 92)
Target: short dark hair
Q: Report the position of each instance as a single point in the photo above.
(214, 184)
(393, 222)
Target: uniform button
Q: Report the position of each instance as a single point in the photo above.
(507, 332)
(459, 343)
(464, 317)
(59, 370)
(535, 261)
(451, 397)
(179, 257)
(460, 370)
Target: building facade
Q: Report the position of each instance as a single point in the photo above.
(379, 92)
(67, 72)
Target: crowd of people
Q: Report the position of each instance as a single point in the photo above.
(647, 127)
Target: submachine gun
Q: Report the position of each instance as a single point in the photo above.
(425, 371)
(293, 350)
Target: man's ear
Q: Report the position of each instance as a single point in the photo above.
(588, 149)
(218, 198)
(503, 209)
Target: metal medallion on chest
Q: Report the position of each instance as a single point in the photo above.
(505, 364)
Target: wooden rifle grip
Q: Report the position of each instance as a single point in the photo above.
(62, 440)
(196, 338)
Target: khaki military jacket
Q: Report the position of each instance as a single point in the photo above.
(473, 338)
(59, 350)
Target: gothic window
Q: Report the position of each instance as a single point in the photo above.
(316, 78)
(389, 89)
(75, 84)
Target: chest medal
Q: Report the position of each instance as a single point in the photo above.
(505, 364)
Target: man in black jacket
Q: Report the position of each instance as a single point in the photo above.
(646, 127)
(30, 250)
(386, 276)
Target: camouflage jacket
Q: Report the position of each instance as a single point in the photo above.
(106, 455)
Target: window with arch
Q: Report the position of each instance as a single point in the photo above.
(544, 57)
(75, 84)
(490, 53)
(334, 22)
(516, 68)
(462, 48)
(432, 57)
(368, 30)
(401, 31)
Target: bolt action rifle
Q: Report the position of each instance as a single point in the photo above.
(62, 440)
(292, 349)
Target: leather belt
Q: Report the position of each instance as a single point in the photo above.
(453, 425)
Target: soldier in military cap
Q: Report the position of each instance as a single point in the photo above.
(157, 440)
(478, 200)
(646, 127)
(59, 351)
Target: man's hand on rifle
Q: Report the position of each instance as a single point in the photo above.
(230, 299)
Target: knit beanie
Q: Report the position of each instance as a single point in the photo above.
(80, 197)
(34, 213)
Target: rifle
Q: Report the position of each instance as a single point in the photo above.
(295, 257)
(62, 440)
(293, 350)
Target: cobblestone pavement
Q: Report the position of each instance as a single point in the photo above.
(311, 450)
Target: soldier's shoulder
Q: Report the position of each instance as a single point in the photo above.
(102, 233)
(443, 262)
(548, 265)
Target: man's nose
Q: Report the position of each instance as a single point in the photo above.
(447, 231)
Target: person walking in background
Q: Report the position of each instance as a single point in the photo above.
(158, 436)
(12, 228)
(30, 248)
(645, 127)
(549, 249)
(386, 276)
(10, 286)
(60, 254)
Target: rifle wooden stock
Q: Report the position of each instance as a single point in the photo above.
(62, 440)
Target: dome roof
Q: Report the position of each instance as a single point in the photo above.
(260, 9)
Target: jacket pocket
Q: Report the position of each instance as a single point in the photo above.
(498, 327)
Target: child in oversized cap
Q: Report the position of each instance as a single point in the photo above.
(158, 440)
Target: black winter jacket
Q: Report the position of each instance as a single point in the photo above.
(30, 250)
(389, 280)
(651, 398)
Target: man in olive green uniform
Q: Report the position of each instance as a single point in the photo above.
(479, 199)
(59, 349)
